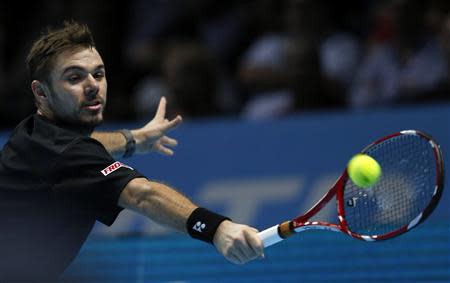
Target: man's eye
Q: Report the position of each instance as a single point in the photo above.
(99, 75)
(73, 78)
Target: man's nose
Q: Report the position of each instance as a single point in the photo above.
(92, 86)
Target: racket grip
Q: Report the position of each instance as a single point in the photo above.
(270, 236)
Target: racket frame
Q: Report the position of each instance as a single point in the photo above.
(286, 229)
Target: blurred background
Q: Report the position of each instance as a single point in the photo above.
(256, 59)
(276, 96)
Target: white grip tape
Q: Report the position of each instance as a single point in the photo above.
(270, 236)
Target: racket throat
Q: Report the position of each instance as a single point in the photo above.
(286, 229)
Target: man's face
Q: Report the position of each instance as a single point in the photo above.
(78, 87)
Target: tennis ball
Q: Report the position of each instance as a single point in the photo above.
(363, 170)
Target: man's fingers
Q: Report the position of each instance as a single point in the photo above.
(234, 259)
(172, 124)
(163, 150)
(255, 243)
(244, 252)
(238, 255)
(165, 140)
(238, 243)
(248, 248)
(161, 112)
(166, 151)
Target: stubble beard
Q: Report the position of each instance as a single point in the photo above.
(80, 117)
(89, 119)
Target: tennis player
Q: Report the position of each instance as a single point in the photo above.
(57, 176)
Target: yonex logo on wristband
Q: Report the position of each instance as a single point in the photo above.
(113, 167)
(202, 224)
(199, 226)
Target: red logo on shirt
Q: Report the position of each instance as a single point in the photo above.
(113, 167)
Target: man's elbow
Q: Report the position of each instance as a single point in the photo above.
(136, 195)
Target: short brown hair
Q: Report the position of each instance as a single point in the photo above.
(53, 42)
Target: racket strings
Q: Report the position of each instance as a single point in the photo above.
(404, 190)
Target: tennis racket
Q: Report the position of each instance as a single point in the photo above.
(406, 193)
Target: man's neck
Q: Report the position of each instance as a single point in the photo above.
(85, 130)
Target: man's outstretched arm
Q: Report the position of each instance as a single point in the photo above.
(151, 137)
(236, 242)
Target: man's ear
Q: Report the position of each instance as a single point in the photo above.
(39, 89)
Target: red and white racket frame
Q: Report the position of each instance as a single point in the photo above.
(286, 229)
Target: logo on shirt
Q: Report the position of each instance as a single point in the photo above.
(113, 167)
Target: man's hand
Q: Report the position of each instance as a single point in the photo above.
(152, 137)
(238, 243)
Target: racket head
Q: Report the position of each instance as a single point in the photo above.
(408, 190)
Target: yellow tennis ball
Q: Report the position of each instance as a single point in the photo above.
(363, 170)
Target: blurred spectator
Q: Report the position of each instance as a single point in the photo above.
(287, 69)
(405, 60)
(189, 81)
(191, 74)
(146, 96)
(339, 57)
(262, 69)
(340, 51)
(151, 23)
(439, 19)
(219, 26)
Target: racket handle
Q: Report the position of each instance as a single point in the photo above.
(270, 236)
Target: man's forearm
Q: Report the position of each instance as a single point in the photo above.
(159, 202)
(238, 243)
